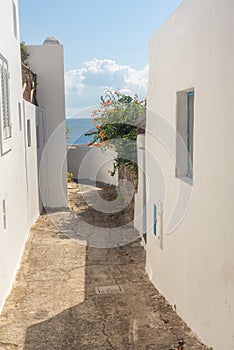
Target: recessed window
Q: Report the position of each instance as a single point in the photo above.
(4, 99)
(15, 24)
(185, 130)
(190, 122)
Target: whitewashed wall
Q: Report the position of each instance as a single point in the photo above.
(194, 267)
(91, 163)
(21, 211)
(19, 165)
(47, 61)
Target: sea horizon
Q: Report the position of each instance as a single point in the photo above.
(78, 127)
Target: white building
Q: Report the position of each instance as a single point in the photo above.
(190, 115)
(22, 126)
(47, 61)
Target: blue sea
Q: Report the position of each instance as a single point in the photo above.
(78, 127)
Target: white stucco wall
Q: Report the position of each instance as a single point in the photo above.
(20, 211)
(47, 61)
(194, 266)
(91, 163)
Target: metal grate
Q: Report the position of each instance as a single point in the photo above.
(109, 289)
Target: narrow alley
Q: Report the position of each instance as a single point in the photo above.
(71, 295)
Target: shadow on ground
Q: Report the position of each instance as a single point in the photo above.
(113, 211)
(135, 318)
(57, 301)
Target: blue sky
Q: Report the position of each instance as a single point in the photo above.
(105, 43)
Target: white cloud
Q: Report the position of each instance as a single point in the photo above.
(85, 85)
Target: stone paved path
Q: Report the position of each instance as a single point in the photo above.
(54, 305)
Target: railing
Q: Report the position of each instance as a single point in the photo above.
(29, 84)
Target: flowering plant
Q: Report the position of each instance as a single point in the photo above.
(115, 122)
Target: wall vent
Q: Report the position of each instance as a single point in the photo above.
(29, 138)
(4, 214)
(20, 116)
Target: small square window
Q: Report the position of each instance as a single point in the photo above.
(184, 128)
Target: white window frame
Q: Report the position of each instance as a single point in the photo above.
(5, 114)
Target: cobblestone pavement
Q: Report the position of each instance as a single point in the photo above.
(57, 304)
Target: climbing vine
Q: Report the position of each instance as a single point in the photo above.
(24, 53)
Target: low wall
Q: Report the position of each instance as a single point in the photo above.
(91, 163)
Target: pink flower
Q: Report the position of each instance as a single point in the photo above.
(107, 103)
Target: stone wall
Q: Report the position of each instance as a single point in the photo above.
(128, 182)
